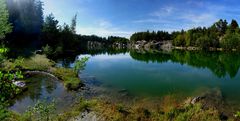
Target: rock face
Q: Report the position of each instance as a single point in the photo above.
(95, 45)
(158, 45)
(87, 116)
(196, 99)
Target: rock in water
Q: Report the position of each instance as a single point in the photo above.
(19, 84)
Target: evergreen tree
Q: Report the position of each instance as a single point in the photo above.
(5, 26)
(74, 24)
(26, 16)
(234, 26)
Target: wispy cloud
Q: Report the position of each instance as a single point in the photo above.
(104, 28)
(165, 11)
(181, 18)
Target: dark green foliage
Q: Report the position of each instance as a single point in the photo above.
(150, 36)
(221, 26)
(220, 63)
(220, 34)
(41, 111)
(50, 31)
(231, 41)
(3, 52)
(7, 88)
(234, 26)
(5, 26)
(203, 42)
(74, 24)
(47, 50)
(26, 16)
(4, 113)
(115, 39)
(179, 40)
(62, 39)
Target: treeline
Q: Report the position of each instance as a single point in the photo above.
(23, 24)
(59, 38)
(219, 35)
(150, 36)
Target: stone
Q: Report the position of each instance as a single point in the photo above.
(19, 84)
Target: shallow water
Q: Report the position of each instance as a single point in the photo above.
(44, 88)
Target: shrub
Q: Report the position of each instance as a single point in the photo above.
(37, 62)
(80, 64)
(41, 111)
(7, 88)
(47, 50)
(231, 41)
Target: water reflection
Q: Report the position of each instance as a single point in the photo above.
(43, 88)
(220, 63)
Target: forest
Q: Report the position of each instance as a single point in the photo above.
(24, 26)
(219, 35)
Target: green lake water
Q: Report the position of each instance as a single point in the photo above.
(157, 74)
(143, 75)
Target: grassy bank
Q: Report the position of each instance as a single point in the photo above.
(103, 110)
(41, 63)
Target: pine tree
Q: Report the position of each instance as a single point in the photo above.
(5, 26)
(74, 24)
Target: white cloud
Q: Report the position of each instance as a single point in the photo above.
(105, 24)
(104, 28)
(165, 11)
(204, 19)
(181, 18)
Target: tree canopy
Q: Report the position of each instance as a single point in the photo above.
(5, 26)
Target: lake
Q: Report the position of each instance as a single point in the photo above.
(157, 74)
(143, 75)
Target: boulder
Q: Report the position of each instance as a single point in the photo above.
(19, 84)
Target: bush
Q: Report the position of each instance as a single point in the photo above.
(231, 41)
(37, 62)
(3, 52)
(47, 50)
(203, 42)
(80, 64)
(41, 111)
(7, 88)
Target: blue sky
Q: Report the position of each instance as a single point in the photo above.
(124, 17)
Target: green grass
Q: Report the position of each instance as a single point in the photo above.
(37, 62)
(81, 106)
(70, 78)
